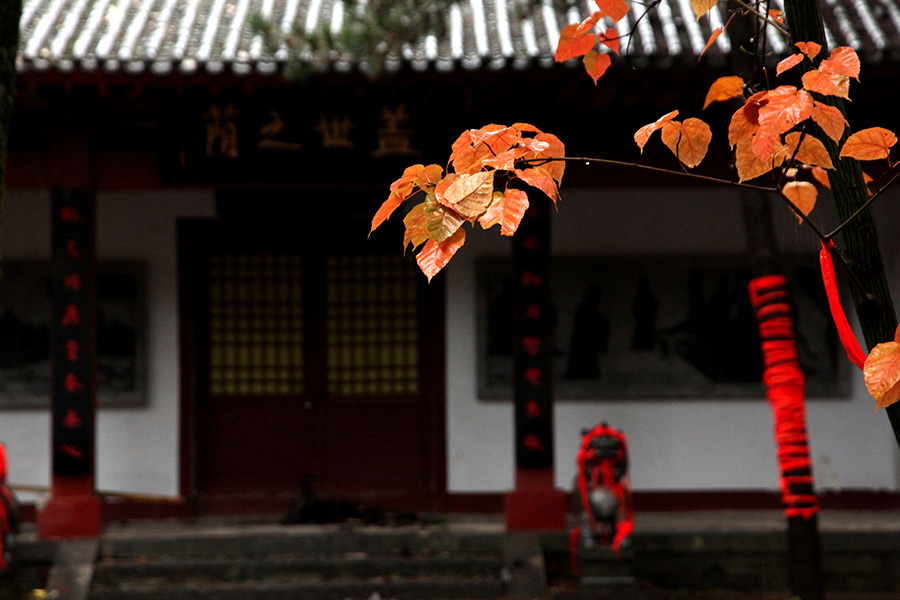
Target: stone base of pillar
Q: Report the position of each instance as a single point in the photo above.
(536, 504)
(70, 514)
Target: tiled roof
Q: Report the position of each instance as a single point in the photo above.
(214, 36)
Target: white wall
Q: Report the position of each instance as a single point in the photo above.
(675, 444)
(137, 448)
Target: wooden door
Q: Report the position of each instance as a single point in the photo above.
(310, 362)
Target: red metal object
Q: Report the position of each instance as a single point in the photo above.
(8, 513)
(604, 490)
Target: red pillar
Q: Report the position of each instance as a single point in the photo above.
(535, 503)
(73, 509)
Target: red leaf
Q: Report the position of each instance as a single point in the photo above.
(539, 178)
(610, 38)
(787, 107)
(788, 63)
(689, 141)
(882, 373)
(507, 209)
(724, 88)
(843, 61)
(745, 121)
(830, 119)
(416, 232)
(440, 221)
(768, 148)
(596, 63)
(434, 256)
(414, 176)
(642, 135)
(812, 152)
(869, 144)
(701, 7)
(810, 49)
(555, 149)
(748, 164)
(712, 38)
(820, 175)
(802, 194)
(468, 194)
(614, 9)
(572, 43)
(827, 84)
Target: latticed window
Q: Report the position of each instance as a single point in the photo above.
(371, 326)
(256, 324)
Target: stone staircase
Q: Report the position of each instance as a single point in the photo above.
(303, 562)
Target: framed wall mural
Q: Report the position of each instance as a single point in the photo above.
(25, 335)
(657, 327)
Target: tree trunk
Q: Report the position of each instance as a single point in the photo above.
(874, 306)
(10, 13)
(804, 558)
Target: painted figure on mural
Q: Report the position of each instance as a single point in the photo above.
(645, 309)
(590, 336)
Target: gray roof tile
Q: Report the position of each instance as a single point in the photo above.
(214, 36)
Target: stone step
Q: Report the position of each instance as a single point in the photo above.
(305, 563)
(318, 541)
(109, 571)
(431, 589)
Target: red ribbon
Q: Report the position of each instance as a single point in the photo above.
(848, 339)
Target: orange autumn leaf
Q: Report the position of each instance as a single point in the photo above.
(830, 119)
(596, 63)
(712, 38)
(573, 42)
(688, 141)
(768, 147)
(827, 84)
(539, 178)
(802, 195)
(555, 149)
(610, 38)
(787, 106)
(882, 372)
(440, 221)
(842, 61)
(614, 9)
(468, 194)
(724, 88)
(745, 121)
(812, 152)
(869, 144)
(416, 232)
(416, 176)
(701, 7)
(788, 63)
(505, 160)
(821, 175)
(589, 23)
(749, 166)
(642, 135)
(434, 256)
(507, 209)
(810, 49)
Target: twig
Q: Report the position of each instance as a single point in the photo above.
(765, 18)
(864, 206)
(609, 161)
